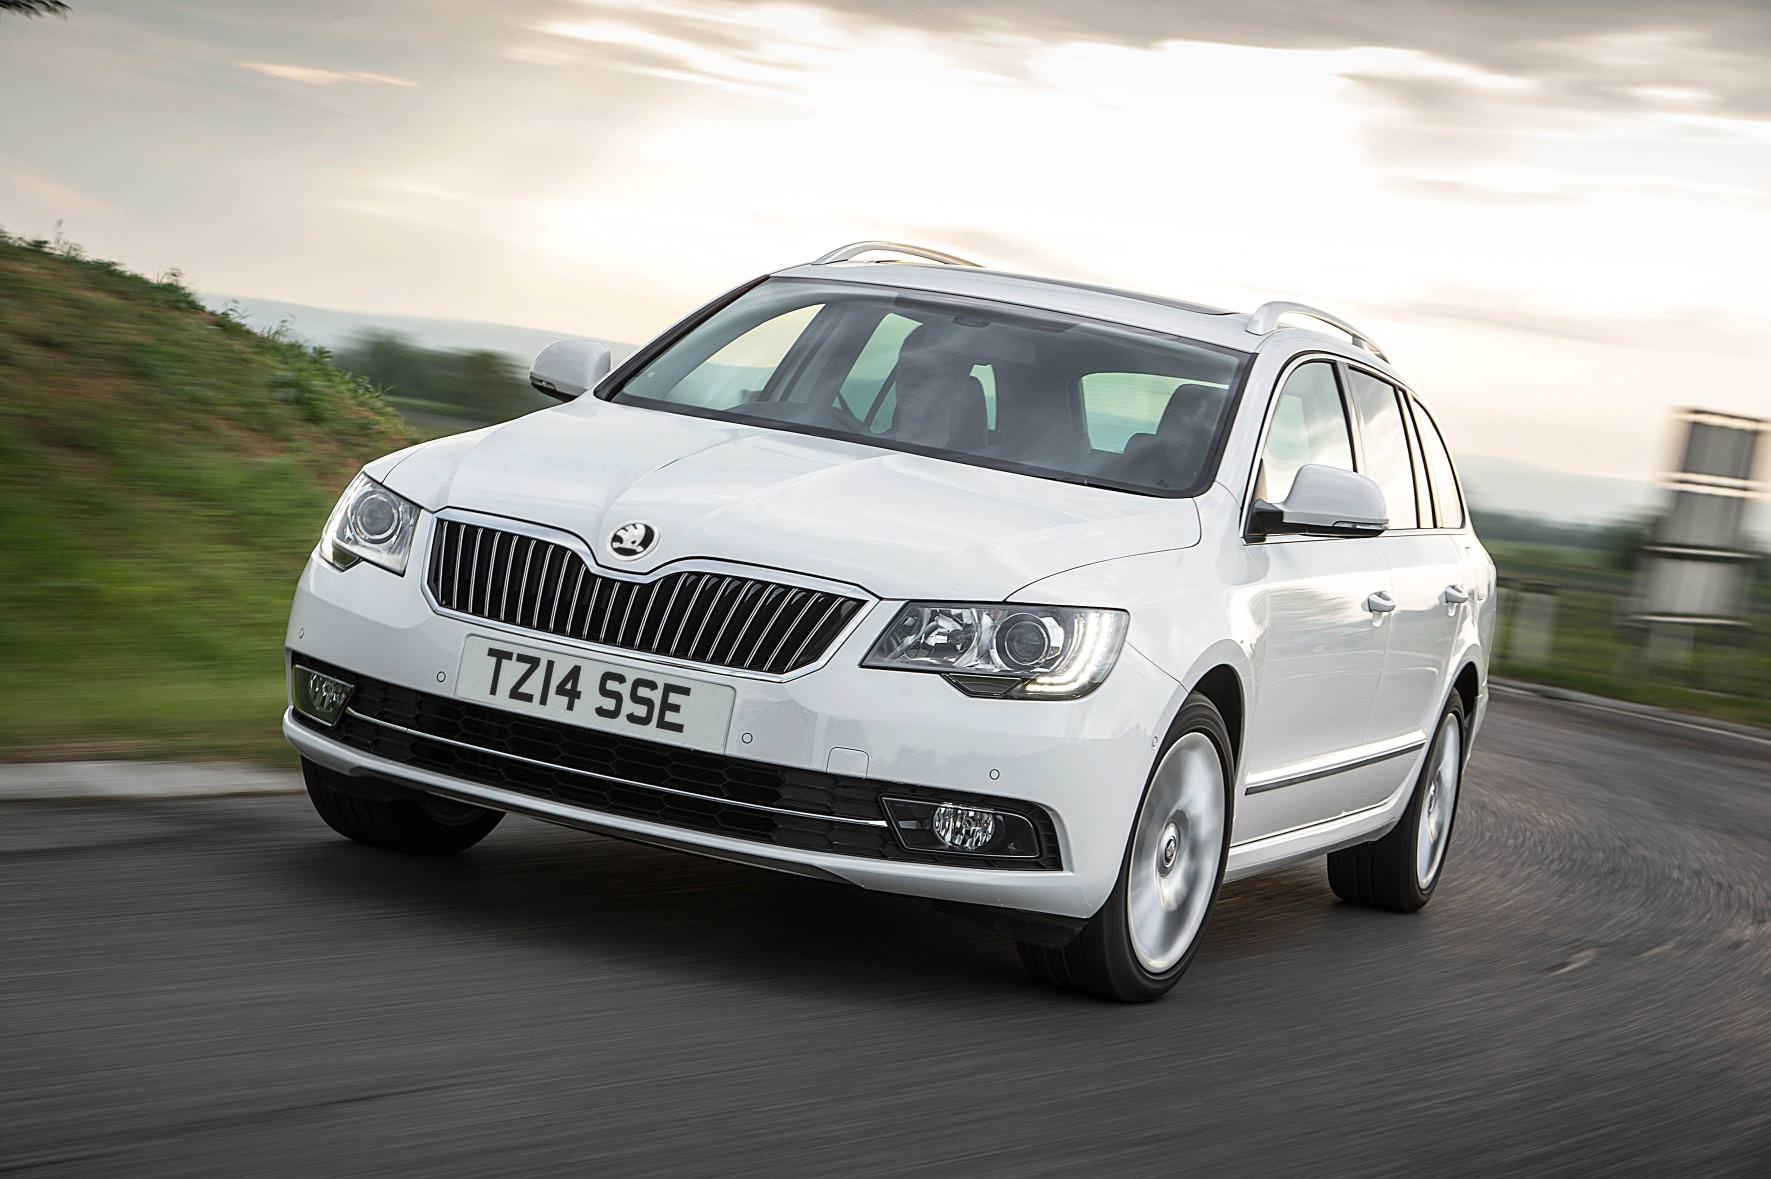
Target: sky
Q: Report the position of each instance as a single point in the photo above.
(1555, 215)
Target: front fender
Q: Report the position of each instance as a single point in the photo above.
(1181, 622)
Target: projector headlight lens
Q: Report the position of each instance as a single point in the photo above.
(370, 524)
(1006, 651)
(376, 516)
(1024, 640)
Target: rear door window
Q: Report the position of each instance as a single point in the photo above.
(1384, 445)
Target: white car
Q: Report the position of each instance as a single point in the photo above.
(1056, 604)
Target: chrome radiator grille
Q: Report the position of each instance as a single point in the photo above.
(717, 618)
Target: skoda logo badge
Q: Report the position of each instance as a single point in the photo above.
(634, 540)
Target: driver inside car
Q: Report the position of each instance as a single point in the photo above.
(939, 402)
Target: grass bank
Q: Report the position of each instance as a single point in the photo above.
(165, 472)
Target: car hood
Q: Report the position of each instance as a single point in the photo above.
(898, 525)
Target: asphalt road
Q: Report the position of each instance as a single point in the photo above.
(222, 987)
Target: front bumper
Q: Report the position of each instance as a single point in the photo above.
(1078, 765)
(617, 774)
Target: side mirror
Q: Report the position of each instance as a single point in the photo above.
(1324, 501)
(570, 368)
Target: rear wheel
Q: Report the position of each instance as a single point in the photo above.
(422, 825)
(1140, 943)
(1400, 871)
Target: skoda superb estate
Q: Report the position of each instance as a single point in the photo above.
(1055, 604)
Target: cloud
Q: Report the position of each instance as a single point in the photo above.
(759, 51)
(35, 191)
(1516, 101)
(312, 76)
(1429, 132)
(1623, 53)
(539, 55)
(1705, 331)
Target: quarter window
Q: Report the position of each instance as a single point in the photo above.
(1423, 494)
(1447, 503)
(1309, 426)
(1384, 445)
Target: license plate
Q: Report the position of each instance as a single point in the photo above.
(594, 694)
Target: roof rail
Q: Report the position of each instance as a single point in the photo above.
(854, 250)
(1266, 318)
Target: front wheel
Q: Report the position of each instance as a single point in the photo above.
(1140, 943)
(1400, 871)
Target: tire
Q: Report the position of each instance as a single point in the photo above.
(417, 826)
(1400, 871)
(1142, 940)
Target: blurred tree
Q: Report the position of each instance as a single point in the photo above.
(35, 7)
(1543, 529)
(1623, 539)
(474, 386)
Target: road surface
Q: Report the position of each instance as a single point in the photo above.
(222, 987)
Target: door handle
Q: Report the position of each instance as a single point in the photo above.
(1380, 603)
(1454, 595)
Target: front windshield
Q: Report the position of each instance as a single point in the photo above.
(963, 379)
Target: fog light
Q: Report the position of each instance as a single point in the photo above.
(935, 826)
(964, 828)
(319, 695)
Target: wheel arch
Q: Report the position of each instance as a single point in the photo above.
(1223, 687)
(1221, 674)
(1467, 683)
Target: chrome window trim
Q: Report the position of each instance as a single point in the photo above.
(1400, 398)
(571, 540)
(1418, 409)
(1296, 361)
(555, 766)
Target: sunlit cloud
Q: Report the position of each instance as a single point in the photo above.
(539, 55)
(20, 187)
(760, 51)
(312, 76)
(1679, 96)
(1414, 64)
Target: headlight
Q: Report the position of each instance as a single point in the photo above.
(1021, 652)
(370, 524)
